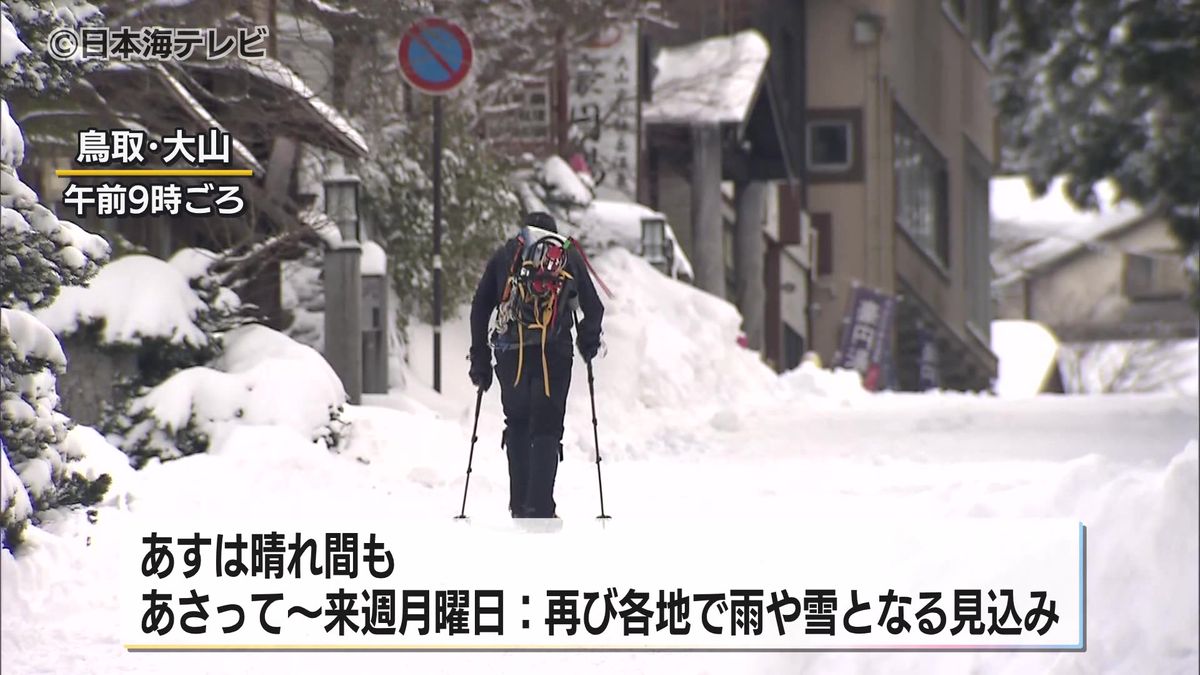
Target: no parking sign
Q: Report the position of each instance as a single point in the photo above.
(435, 55)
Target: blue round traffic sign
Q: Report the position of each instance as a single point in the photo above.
(435, 55)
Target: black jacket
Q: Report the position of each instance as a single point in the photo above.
(579, 289)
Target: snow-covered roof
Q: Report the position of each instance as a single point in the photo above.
(349, 139)
(201, 114)
(1030, 232)
(712, 81)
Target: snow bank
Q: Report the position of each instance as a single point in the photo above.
(715, 80)
(262, 378)
(1027, 352)
(809, 380)
(668, 342)
(135, 297)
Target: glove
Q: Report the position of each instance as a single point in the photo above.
(588, 349)
(481, 367)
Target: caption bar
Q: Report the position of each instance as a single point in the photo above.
(970, 584)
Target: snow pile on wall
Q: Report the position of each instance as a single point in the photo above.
(262, 378)
(809, 380)
(1027, 352)
(374, 259)
(135, 297)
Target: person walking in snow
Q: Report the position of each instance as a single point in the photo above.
(534, 282)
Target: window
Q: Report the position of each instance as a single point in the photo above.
(833, 147)
(978, 261)
(528, 117)
(922, 190)
(830, 146)
(1154, 275)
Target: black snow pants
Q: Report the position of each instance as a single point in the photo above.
(533, 423)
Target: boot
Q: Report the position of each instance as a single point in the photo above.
(543, 467)
(516, 445)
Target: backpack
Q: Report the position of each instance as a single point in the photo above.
(533, 293)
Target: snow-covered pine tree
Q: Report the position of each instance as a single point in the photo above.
(1096, 89)
(27, 65)
(41, 254)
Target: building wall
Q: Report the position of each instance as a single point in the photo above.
(1089, 288)
(923, 63)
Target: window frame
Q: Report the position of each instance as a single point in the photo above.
(852, 118)
(921, 192)
(847, 127)
(1151, 290)
(977, 239)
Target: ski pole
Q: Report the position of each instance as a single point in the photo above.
(596, 437)
(471, 457)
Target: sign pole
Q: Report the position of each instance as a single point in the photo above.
(435, 57)
(437, 243)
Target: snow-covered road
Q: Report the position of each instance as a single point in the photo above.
(1125, 466)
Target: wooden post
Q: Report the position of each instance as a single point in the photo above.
(343, 314)
(708, 241)
(748, 257)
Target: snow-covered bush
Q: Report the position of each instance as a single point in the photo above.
(262, 377)
(39, 254)
(178, 321)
